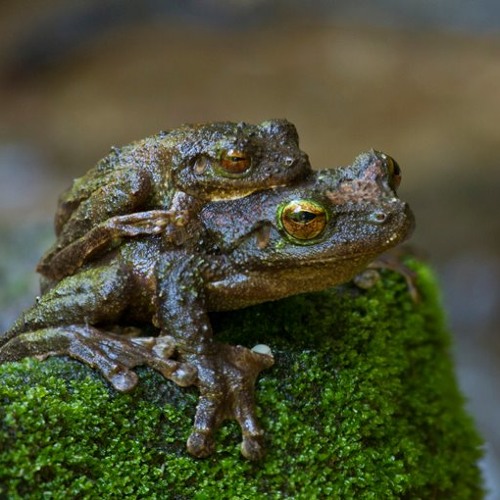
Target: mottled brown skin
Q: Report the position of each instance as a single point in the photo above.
(269, 244)
(158, 185)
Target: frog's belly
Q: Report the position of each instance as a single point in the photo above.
(242, 290)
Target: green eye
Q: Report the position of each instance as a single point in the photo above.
(235, 162)
(303, 220)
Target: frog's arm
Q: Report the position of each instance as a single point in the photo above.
(58, 263)
(226, 374)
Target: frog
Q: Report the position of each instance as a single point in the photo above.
(159, 183)
(267, 245)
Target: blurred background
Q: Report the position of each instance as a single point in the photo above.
(419, 80)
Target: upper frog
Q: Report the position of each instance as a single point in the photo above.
(174, 172)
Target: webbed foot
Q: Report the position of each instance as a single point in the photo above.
(114, 356)
(226, 380)
(225, 377)
(392, 260)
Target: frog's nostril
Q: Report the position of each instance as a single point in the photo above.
(289, 161)
(377, 217)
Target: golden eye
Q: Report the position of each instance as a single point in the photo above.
(303, 220)
(394, 171)
(234, 161)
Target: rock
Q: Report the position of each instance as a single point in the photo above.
(361, 403)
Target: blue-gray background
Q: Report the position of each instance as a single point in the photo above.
(417, 79)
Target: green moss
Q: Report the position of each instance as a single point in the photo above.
(361, 403)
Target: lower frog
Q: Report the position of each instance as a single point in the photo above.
(264, 246)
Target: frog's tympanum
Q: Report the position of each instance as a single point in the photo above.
(203, 218)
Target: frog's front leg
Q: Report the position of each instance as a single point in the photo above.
(226, 379)
(226, 374)
(61, 262)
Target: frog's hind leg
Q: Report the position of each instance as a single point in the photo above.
(45, 329)
(98, 196)
(89, 297)
(120, 192)
(125, 191)
(113, 356)
(66, 319)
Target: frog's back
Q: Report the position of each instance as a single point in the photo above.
(137, 166)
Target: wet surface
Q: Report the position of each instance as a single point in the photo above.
(73, 83)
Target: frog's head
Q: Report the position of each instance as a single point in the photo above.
(318, 233)
(227, 160)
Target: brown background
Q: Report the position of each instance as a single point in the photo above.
(419, 82)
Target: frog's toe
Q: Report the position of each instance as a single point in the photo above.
(82, 343)
(366, 279)
(184, 375)
(155, 352)
(252, 447)
(161, 347)
(201, 444)
(211, 410)
(124, 380)
(394, 261)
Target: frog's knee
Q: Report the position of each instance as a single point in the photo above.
(103, 281)
(84, 298)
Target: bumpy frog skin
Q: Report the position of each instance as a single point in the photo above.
(317, 232)
(160, 183)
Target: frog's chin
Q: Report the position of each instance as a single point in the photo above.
(247, 287)
(235, 284)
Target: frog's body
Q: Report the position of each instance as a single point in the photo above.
(314, 232)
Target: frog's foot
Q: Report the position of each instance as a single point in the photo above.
(226, 379)
(114, 357)
(392, 260)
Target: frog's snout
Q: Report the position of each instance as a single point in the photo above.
(395, 215)
(378, 217)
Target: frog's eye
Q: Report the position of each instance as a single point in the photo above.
(303, 220)
(234, 161)
(394, 171)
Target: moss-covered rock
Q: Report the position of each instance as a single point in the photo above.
(361, 403)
